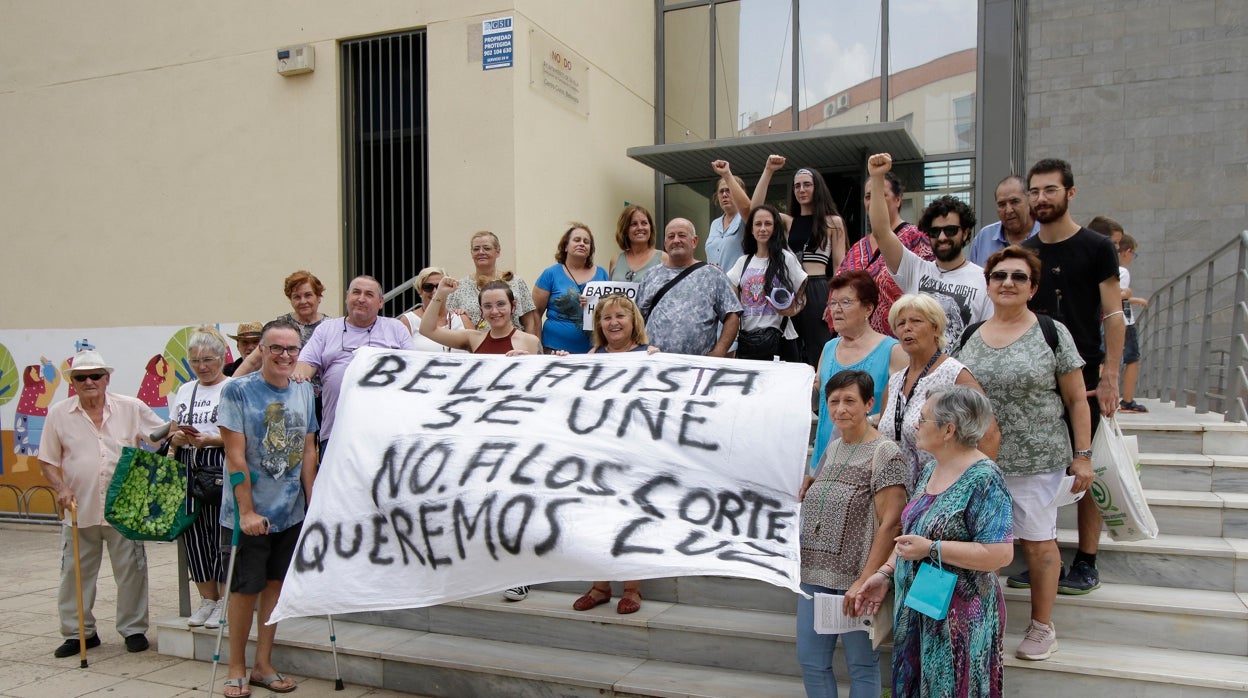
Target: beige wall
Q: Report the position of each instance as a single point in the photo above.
(159, 171)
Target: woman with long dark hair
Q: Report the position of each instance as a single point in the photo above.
(771, 285)
(817, 236)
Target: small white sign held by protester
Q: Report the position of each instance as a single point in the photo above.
(597, 289)
(453, 475)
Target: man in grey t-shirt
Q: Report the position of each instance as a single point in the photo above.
(686, 320)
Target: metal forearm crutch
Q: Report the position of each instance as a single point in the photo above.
(333, 648)
(235, 480)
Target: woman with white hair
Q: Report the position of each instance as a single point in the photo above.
(426, 283)
(919, 325)
(198, 446)
(958, 521)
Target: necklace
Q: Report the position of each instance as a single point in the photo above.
(946, 271)
(900, 406)
(841, 469)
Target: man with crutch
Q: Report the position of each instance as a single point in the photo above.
(268, 423)
(78, 452)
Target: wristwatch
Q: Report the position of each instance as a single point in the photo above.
(1085, 454)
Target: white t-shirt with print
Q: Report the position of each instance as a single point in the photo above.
(760, 313)
(961, 292)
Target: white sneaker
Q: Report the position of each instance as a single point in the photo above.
(206, 608)
(214, 620)
(516, 594)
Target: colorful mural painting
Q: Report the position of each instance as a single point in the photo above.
(150, 363)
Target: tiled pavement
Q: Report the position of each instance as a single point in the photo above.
(29, 631)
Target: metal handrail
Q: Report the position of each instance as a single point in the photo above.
(1208, 369)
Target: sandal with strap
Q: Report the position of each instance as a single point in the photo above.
(588, 600)
(270, 682)
(630, 602)
(240, 688)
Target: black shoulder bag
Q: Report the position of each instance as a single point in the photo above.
(645, 314)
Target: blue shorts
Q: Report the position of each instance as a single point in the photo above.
(1131, 346)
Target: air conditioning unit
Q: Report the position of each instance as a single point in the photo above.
(842, 101)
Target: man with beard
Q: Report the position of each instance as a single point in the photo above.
(1079, 288)
(867, 256)
(1015, 224)
(956, 283)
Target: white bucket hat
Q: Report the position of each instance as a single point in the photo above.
(89, 360)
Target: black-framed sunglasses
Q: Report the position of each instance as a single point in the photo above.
(934, 232)
(1018, 276)
(428, 288)
(80, 377)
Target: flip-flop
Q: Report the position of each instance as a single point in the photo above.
(240, 686)
(268, 682)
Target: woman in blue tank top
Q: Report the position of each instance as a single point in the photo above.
(852, 297)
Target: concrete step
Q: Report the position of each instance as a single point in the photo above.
(725, 592)
(433, 664)
(1127, 614)
(1205, 434)
(1194, 471)
(1187, 513)
(1183, 562)
(1090, 668)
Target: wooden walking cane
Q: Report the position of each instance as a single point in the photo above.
(82, 628)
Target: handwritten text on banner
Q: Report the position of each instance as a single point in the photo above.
(450, 476)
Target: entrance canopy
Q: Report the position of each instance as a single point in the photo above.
(821, 149)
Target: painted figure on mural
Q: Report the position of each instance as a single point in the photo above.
(39, 383)
(158, 381)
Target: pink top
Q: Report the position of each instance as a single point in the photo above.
(86, 456)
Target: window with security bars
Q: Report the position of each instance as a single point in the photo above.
(385, 161)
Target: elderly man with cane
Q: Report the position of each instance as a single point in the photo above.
(81, 444)
(268, 423)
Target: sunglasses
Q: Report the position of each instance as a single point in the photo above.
(80, 377)
(948, 231)
(1000, 277)
(428, 288)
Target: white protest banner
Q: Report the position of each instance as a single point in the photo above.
(453, 475)
(597, 289)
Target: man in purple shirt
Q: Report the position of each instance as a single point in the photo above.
(331, 346)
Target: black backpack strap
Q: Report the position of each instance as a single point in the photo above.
(969, 332)
(668, 286)
(1049, 329)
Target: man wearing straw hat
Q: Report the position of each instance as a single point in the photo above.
(247, 339)
(81, 444)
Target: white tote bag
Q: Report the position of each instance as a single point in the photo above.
(1117, 490)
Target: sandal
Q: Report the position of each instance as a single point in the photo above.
(588, 600)
(269, 681)
(240, 688)
(630, 602)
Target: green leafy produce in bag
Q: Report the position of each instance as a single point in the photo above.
(147, 497)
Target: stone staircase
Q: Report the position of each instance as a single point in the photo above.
(1171, 618)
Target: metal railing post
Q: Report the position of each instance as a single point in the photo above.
(1180, 398)
(1237, 391)
(1206, 352)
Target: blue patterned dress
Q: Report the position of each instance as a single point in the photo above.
(960, 655)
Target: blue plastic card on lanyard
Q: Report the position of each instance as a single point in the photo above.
(932, 589)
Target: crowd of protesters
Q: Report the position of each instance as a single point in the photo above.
(958, 380)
